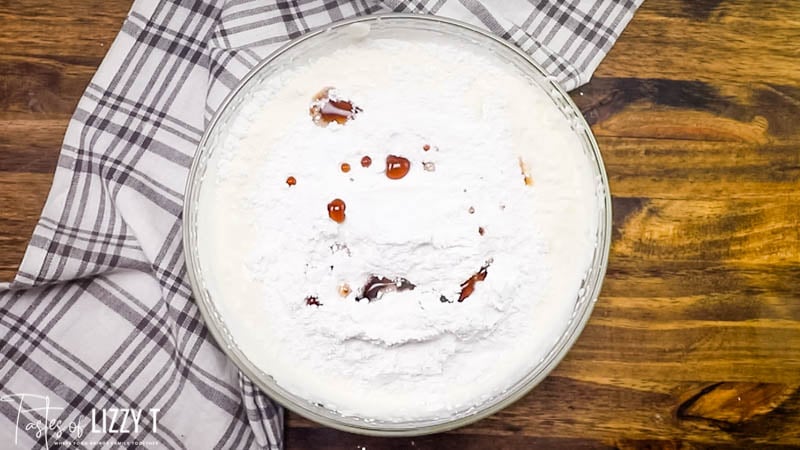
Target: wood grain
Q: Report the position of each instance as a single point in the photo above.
(695, 341)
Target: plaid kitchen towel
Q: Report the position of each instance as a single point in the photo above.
(101, 344)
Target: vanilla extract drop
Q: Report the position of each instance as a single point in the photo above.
(375, 287)
(327, 107)
(336, 210)
(397, 167)
(468, 287)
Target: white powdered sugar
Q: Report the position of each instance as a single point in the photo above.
(276, 263)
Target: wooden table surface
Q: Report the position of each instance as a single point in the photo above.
(695, 341)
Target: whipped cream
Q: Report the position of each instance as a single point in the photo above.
(497, 180)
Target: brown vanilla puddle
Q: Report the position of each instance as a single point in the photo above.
(325, 109)
(366, 161)
(336, 210)
(397, 167)
(375, 287)
(468, 287)
(291, 181)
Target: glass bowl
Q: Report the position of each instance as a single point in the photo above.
(393, 25)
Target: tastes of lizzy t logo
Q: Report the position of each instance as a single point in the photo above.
(103, 423)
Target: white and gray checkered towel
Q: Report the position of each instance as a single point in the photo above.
(100, 315)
